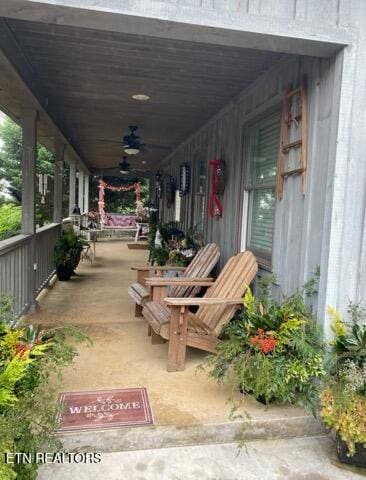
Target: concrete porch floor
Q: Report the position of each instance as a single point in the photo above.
(96, 300)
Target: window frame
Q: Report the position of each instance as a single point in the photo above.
(264, 259)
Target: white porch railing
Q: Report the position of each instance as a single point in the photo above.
(15, 267)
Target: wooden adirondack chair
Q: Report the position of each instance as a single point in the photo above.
(183, 328)
(201, 266)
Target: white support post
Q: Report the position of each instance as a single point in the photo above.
(29, 156)
(57, 191)
(72, 187)
(86, 193)
(81, 191)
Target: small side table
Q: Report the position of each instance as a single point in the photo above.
(91, 236)
(139, 230)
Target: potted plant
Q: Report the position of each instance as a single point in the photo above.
(67, 252)
(272, 350)
(343, 399)
(29, 357)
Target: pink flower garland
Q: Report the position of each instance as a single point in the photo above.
(106, 186)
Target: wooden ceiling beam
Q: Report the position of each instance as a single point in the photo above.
(13, 59)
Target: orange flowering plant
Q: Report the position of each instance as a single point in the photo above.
(273, 350)
(29, 355)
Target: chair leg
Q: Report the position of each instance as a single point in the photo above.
(156, 339)
(177, 340)
(149, 330)
(138, 310)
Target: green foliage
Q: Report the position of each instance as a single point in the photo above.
(11, 157)
(10, 220)
(272, 350)
(343, 399)
(11, 172)
(118, 202)
(67, 250)
(159, 255)
(28, 402)
(177, 247)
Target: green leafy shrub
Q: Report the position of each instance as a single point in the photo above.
(28, 403)
(343, 399)
(272, 350)
(177, 248)
(67, 250)
(10, 220)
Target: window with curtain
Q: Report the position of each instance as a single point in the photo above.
(263, 147)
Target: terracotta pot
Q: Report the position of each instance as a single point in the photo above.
(358, 459)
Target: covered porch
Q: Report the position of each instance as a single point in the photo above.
(70, 76)
(188, 407)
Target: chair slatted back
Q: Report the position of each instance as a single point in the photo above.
(236, 275)
(201, 266)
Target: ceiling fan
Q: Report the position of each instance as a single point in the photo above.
(132, 144)
(123, 168)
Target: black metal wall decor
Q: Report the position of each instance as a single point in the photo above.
(185, 179)
(218, 178)
(170, 188)
(158, 185)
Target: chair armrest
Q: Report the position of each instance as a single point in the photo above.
(182, 302)
(179, 281)
(157, 268)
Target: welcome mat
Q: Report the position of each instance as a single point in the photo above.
(126, 407)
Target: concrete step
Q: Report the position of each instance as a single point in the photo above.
(150, 437)
(306, 458)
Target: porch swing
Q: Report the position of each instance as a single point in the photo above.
(136, 224)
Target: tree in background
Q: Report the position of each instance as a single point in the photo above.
(11, 174)
(10, 220)
(11, 184)
(118, 202)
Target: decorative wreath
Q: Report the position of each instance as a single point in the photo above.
(218, 178)
(221, 177)
(185, 179)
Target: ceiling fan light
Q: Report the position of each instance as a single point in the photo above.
(131, 151)
(142, 97)
(124, 172)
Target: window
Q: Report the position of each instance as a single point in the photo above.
(263, 144)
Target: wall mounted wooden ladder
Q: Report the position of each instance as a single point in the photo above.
(293, 149)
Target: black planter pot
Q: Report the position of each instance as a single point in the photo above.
(75, 263)
(63, 273)
(358, 459)
(261, 399)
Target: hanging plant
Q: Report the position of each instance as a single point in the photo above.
(170, 188)
(185, 178)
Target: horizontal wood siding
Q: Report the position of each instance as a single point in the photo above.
(299, 220)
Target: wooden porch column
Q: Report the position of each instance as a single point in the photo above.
(29, 156)
(81, 191)
(86, 193)
(72, 186)
(57, 191)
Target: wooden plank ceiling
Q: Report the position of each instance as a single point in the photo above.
(89, 77)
